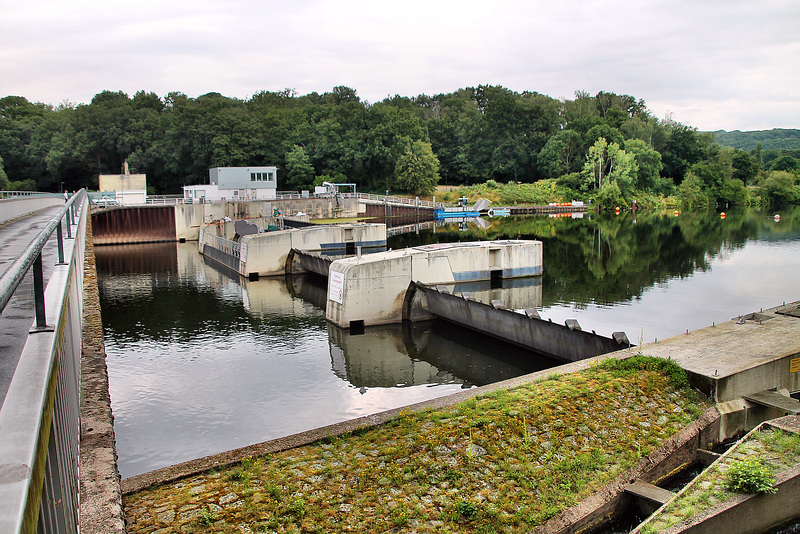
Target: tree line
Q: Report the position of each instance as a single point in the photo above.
(606, 147)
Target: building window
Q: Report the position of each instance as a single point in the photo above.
(270, 177)
(253, 176)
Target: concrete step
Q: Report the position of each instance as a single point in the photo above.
(773, 399)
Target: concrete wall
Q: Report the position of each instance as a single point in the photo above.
(189, 217)
(14, 208)
(372, 289)
(122, 182)
(266, 254)
(542, 336)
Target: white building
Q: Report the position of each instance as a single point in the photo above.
(234, 183)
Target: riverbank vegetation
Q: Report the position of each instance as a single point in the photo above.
(503, 462)
(607, 148)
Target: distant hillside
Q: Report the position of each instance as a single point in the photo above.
(775, 139)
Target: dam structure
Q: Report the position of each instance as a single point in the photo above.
(269, 253)
(372, 289)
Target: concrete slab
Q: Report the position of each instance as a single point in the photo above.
(745, 355)
(773, 399)
(649, 492)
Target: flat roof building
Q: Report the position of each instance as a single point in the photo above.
(235, 183)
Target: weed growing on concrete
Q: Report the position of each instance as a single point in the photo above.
(750, 475)
(749, 467)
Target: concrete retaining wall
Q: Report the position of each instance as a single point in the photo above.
(266, 254)
(552, 339)
(189, 217)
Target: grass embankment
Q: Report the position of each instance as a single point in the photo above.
(503, 462)
(757, 459)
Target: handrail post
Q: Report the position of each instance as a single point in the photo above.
(60, 244)
(38, 293)
(69, 224)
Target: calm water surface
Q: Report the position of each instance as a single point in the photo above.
(202, 362)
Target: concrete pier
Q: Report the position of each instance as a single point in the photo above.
(748, 354)
(269, 253)
(372, 289)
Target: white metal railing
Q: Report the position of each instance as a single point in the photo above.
(15, 194)
(232, 248)
(165, 200)
(40, 415)
(413, 202)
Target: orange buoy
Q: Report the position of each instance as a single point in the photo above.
(722, 215)
(676, 213)
(777, 218)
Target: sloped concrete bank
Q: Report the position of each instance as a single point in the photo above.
(675, 454)
(193, 467)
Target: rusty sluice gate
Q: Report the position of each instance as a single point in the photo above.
(124, 225)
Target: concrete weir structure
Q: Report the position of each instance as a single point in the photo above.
(270, 253)
(374, 289)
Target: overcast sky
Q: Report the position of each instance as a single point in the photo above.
(711, 64)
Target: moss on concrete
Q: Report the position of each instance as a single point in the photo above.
(503, 462)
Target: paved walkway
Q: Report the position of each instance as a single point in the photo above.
(18, 315)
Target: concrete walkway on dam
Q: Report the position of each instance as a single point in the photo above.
(750, 353)
(19, 313)
(743, 356)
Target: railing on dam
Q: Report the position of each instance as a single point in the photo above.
(39, 418)
(232, 248)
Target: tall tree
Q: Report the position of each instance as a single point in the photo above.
(417, 169)
(299, 172)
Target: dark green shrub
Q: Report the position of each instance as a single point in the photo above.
(750, 476)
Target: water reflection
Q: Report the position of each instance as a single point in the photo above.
(655, 275)
(201, 361)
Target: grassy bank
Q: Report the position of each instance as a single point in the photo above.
(500, 463)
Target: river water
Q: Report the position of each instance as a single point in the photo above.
(201, 361)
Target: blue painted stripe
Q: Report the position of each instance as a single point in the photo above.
(342, 245)
(523, 271)
(471, 275)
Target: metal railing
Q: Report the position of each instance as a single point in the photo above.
(40, 415)
(232, 248)
(15, 194)
(412, 202)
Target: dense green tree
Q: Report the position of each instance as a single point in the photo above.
(785, 163)
(476, 133)
(648, 163)
(691, 192)
(300, 172)
(561, 154)
(781, 188)
(745, 167)
(5, 184)
(684, 147)
(417, 169)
